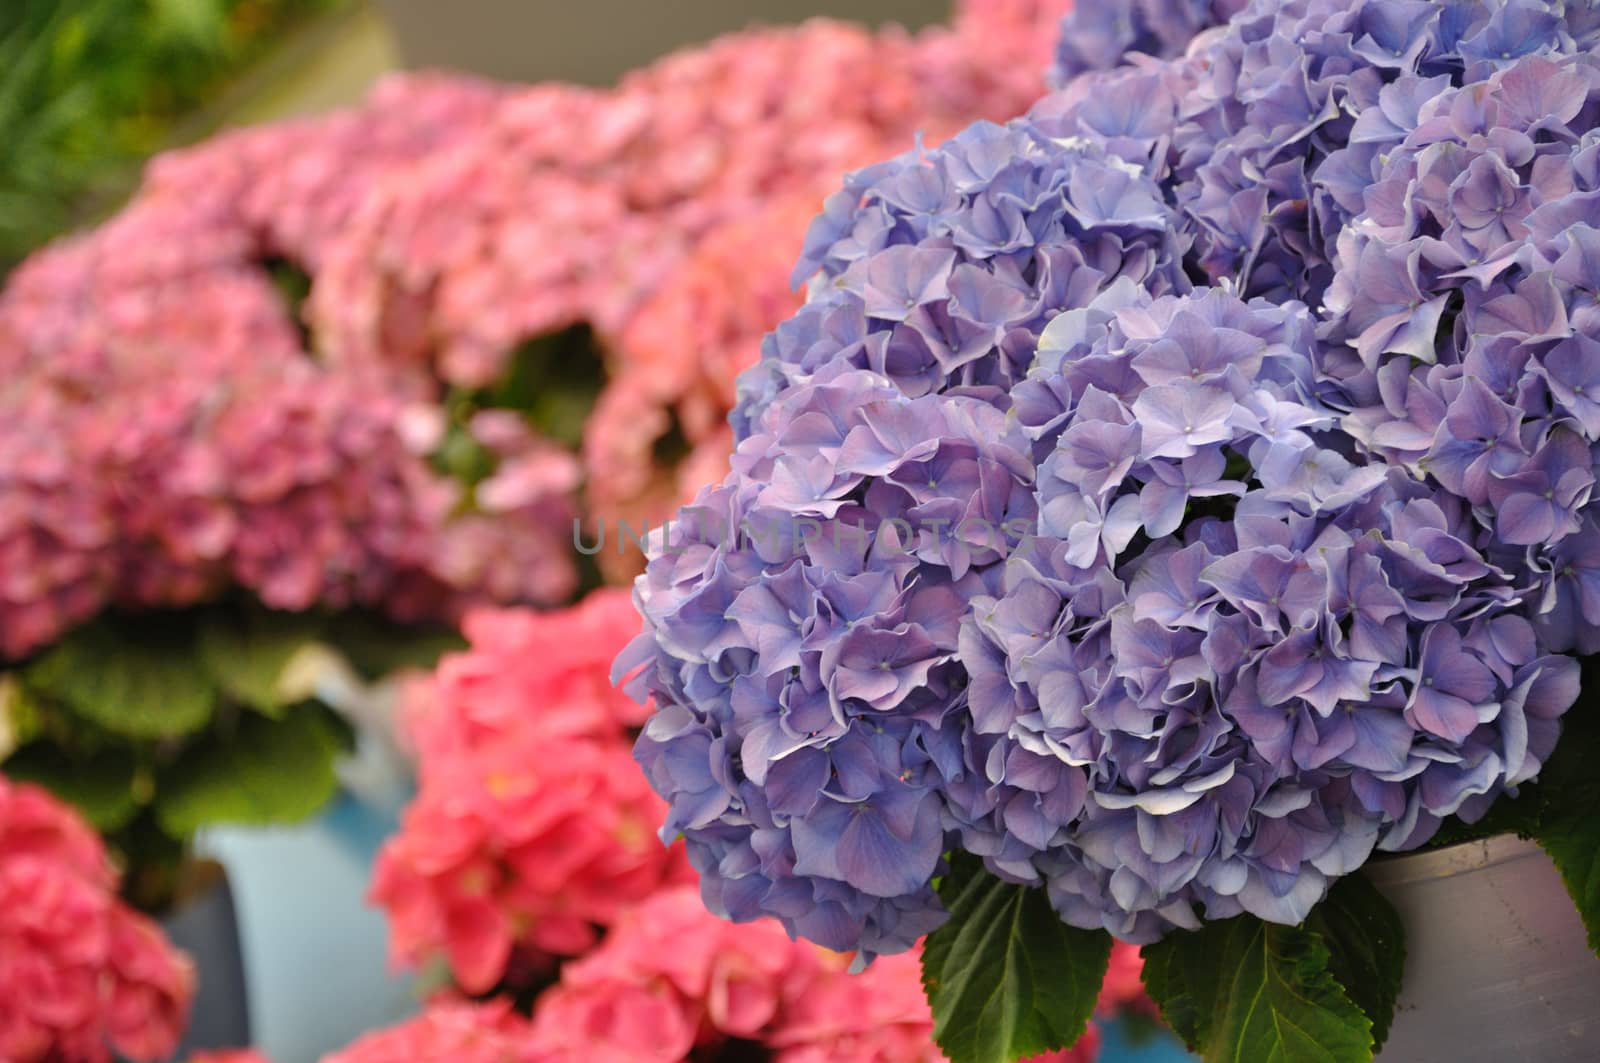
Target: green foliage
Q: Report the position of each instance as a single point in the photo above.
(265, 771)
(376, 647)
(293, 285)
(137, 681)
(88, 87)
(1366, 948)
(1006, 978)
(1242, 989)
(246, 655)
(553, 382)
(1573, 842)
(103, 785)
(157, 724)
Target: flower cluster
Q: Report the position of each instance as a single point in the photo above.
(629, 180)
(1250, 578)
(440, 225)
(672, 984)
(1232, 661)
(1464, 309)
(81, 974)
(1102, 36)
(671, 979)
(1254, 166)
(531, 829)
(669, 194)
(157, 483)
(823, 645)
(686, 345)
(937, 270)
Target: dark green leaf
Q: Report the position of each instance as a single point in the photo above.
(1185, 983)
(246, 654)
(377, 648)
(138, 682)
(19, 714)
(1573, 842)
(100, 786)
(1366, 946)
(268, 771)
(1005, 976)
(1244, 990)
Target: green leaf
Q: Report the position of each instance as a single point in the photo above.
(19, 715)
(246, 655)
(101, 786)
(1244, 990)
(377, 647)
(200, 23)
(1367, 948)
(1573, 842)
(1184, 982)
(268, 771)
(138, 681)
(1005, 976)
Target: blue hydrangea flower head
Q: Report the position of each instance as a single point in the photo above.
(1248, 659)
(1171, 497)
(1105, 34)
(938, 269)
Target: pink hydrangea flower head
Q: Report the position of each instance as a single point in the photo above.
(878, 1016)
(175, 431)
(547, 673)
(532, 827)
(671, 976)
(81, 975)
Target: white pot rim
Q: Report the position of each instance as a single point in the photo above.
(1452, 860)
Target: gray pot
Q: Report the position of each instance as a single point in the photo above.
(206, 927)
(1498, 969)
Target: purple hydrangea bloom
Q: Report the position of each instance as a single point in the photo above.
(1180, 602)
(939, 269)
(1247, 659)
(803, 623)
(1461, 336)
(1101, 34)
(1279, 117)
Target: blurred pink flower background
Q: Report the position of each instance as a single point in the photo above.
(169, 428)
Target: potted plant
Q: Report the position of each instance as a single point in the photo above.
(1166, 506)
